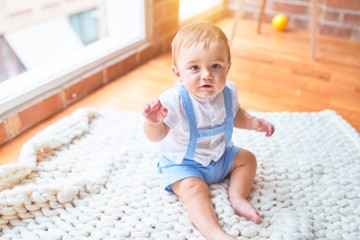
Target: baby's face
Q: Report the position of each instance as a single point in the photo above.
(202, 70)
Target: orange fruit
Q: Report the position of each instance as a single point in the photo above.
(280, 21)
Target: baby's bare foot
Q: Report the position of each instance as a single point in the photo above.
(244, 209)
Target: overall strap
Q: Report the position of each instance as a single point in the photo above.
(191, 121)
(229, 122)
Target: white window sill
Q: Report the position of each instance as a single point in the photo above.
(31, 84)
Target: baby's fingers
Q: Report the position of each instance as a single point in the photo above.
(163, 111)
(266, 127)
(151, 107)
(270, 130)
(147, 110)
(154, 112)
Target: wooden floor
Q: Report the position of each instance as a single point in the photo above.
(272, 70)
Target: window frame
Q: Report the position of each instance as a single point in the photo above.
(50, 77)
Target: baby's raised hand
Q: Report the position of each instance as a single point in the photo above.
(261, 125)
(154, 112)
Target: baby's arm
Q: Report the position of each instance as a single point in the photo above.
(154, 127)
(246, 121)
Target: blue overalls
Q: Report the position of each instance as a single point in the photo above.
(215, 171)
(196, 133)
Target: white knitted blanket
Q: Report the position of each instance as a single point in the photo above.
(93, 175)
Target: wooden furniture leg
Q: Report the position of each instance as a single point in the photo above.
(237, 19)
(313, 29)
(261, 15)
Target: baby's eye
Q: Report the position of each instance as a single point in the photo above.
(215, 66)
(194, 68)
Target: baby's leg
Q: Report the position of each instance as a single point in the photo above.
(242, 175)
(196, 196)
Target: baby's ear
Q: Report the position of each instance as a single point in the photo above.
(228, 68)
(176, 73)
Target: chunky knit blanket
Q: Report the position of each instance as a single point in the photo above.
(93, 175)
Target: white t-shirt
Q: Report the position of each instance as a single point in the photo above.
(209, 113)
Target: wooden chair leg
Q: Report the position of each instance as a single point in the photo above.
(238, 14)
(261, 15)
(313, 29)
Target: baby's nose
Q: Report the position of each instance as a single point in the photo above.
(206, 74)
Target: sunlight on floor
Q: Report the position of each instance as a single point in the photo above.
(188, 9)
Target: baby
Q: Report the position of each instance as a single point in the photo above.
(194, 122)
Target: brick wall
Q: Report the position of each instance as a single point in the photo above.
(339, 18)
(164, 23)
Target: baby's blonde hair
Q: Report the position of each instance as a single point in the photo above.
(195, 33)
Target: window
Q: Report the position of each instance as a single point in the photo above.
(59, 40)
(188, 9)
(40, 43)
(85, 24)
(122, 23)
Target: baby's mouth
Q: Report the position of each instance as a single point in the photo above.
(206, 86)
